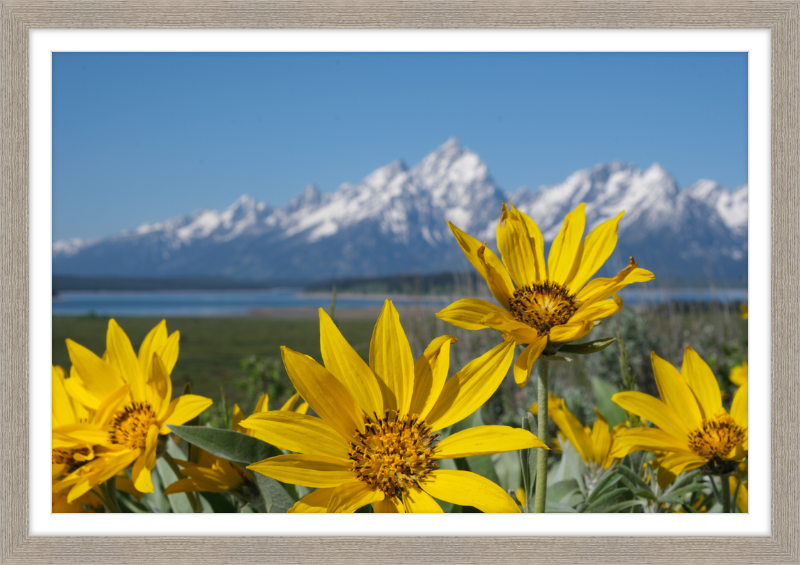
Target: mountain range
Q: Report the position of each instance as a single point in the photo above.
(395, 221)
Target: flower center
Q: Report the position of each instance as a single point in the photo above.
(716, 438)
(62, 456)
(129, 426)
(393, 453)
(543, 305)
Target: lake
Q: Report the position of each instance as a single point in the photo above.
(242, 303)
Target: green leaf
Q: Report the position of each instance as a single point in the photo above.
(636, 479)
(276, 499)
(588, 347)
(178, 502)
(237, 448)
(608, 480)
(623, 506)
(600, 502)
(218, 503)
(156, 499)
(562, 491)
(557, 507)
(603, 392)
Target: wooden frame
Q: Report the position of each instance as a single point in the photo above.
(17, 17)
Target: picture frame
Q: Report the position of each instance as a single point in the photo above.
(18, 17)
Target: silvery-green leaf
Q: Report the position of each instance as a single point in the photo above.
(588, 347)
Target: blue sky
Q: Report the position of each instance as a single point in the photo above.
(145, 136)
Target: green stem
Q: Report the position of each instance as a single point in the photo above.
(726, 494)
(736, 495)
(109, 496)
(541, 463)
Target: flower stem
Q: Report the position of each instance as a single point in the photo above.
(541, 463)
(109, 495)
(726, 494)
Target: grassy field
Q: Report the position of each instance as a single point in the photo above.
(211, 349)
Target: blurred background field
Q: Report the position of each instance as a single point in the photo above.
(239, 356)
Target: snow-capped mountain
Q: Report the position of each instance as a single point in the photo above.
(395, 221)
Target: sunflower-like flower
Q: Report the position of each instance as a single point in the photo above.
(214, 474)
(376, 441)
(594, 444)
(129, 399)
(67, 412)
(542, 305)
(693, 429)
(739, 374)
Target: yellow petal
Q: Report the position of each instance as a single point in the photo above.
(676, 463)
(236, 419)
(498, 280)
(187, 485)
(430, 373)
(515, 247)
(346, 365)
(307, 470)
(80, 432)
(601, 288)
(123, 359)
(100, 378)
(675, 392)
(595, 249)
(652, 410)
(420, 502)
(597, 310)
(702, 382)
(263, 403)
(169, 351)
(467, 313)
(296, 432)
(468, 389)
(389, 505)
(324, 393)
(739, 408)
(468, 489)
(537, 244)
(564, 249)
(153, 341)
(570, 332)
(486, 440)
(302, 409)
(601, 440)
(391, 360)
(63, 413)
(351, 496)
(145, 463)
(183, 409)
(511, 328)
(646, 439)
(741, 498)
(83, 396)
(315, 502)
(110, 405)
(159, 385)
(574, 431)
(526, 359)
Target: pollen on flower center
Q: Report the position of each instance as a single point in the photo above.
(543, 305)
(130, 425)
(716, 438)
(394, 453)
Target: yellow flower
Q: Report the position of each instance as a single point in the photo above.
(739, 374)
(542, 304)
(130, 399)
(375, 440)
(65, 413)
(692, 427)
(553, 403)
(743, 308)
(741, 497)
(215, 474)
(594, 444)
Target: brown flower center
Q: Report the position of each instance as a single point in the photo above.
(543, 305)
(130, 425)
(393, 453)
(64, 456)
(716, 438)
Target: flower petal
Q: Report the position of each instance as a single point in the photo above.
(122, 357)
(349, 497)
(597, 310)
(391, 360)
(485, 440)
(702, 382)
(145, 463)
(110, 405)
(564, 249)
(646, 439)
(467, 313)
(515, 247)
(153, 341)
(325, 394)
(526, 359)
(739, 374)
(595, 249)
(420, 502)
(346, 365)
(537, 243)
(601, 288)
(471, 386)
(307, 470)
(100, 378)
(430, 373)
(601, 440)
(63, 413)
(468, 489)
(570, 332)
(574, 431)
(676, 463)
(315, 502)
(74, 434)
(652, 410)
(739, 408)
(675, 392)
(183, 409)
(511, 328)
(297, 432)
(487, 264)
(389, 505)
